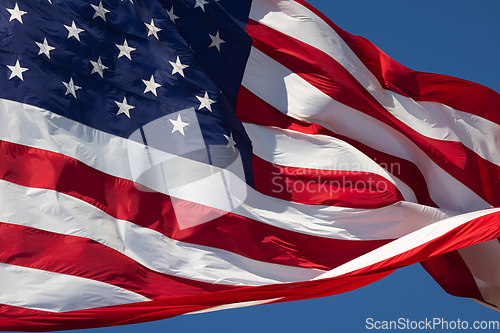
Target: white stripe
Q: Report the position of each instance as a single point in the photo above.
(442, 122)
(297, 98)
(478, 134)
(32, 126)
(234, 306)
(430, 119)
(59, 213)
(407, 243)
(294, 149)
(388, 222)
(53, 292)
(319, 152)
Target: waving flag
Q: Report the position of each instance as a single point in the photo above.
(159, 158)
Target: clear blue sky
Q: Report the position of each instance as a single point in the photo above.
(460, 38)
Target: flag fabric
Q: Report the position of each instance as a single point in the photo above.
(166, 157)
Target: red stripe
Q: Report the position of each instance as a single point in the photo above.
(119, 198)
(457, 93)
(440, 251)
(319, 69)
(20, 319)
(475, 231)
(354, 189)
(77, 256)
(251, 109)
(453, 275)
(275, 245)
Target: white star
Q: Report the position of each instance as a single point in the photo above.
(152, 29)
(216, 41)
(71, 88)
(124, 107)
(125, 50)
(16, 13)
(100, 11)
(151, 85)
(205, 102)
(133, 2)
(45, 48)
(171, 14)
(178, 67)
(98, 67)
(230, 143)
(178, 125)
(17, 70)
(201, 3)
(73, 31)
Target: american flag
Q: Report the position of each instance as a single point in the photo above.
(168, 157)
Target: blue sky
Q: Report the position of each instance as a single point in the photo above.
(453, 37)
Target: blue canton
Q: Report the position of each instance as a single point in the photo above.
(118, 65)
